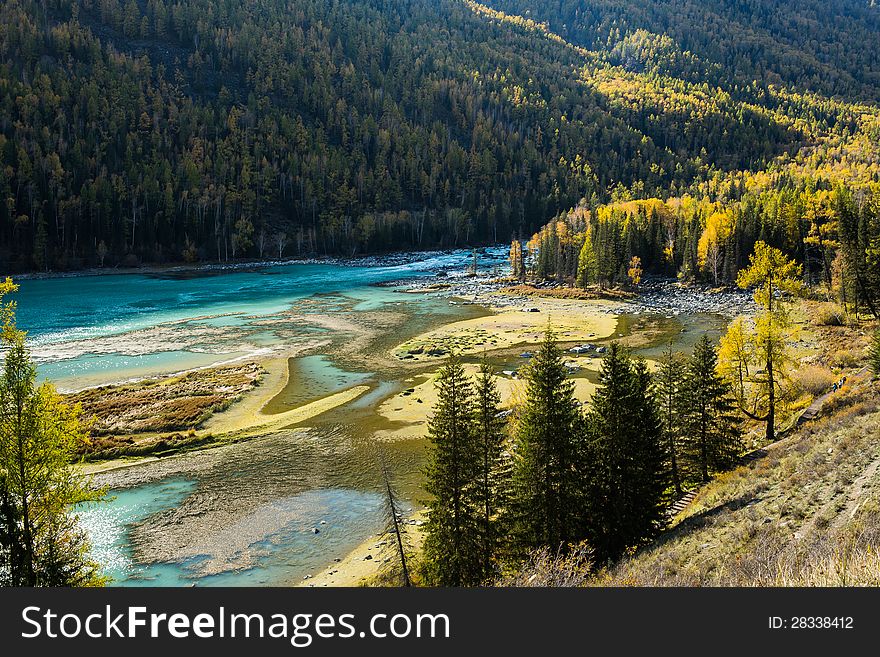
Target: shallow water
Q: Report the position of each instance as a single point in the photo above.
(245, 514)
(279, 552)
(313, 377)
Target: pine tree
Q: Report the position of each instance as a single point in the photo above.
(491, 486)
(712, 428)
(669, 384)
(549, 453)
(627, 474)
(453, 550)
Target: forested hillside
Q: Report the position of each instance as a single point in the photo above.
(825, 47)
(188, 130)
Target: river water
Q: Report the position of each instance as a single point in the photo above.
(92, 330)
(273, 509)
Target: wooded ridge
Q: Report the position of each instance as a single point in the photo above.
(188, 130)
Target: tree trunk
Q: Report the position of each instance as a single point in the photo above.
(27, 530)
(704, 456)
(771, 399)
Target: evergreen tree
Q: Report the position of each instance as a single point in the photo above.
(669, 393)
(712, 428)
(549, 453)
(453, 549)
(491, 484)
(41, 543)
(627, 473)
(874, 354)
(588, 265)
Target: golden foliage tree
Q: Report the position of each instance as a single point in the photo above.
(41, 543)
(755, 358)
(710, 248)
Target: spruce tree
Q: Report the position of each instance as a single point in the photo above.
(712, 427)
(627, 474)
(874, 354)
(669, 392)
(548, 439)
(453, 550)
(491, 484)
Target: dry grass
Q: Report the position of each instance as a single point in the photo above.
(846, 358)
(553, 569)
(111, 447)
(569, 292)
(842, 347)
(174, 404)
(829, 314)
(814, 379)
(804, 515)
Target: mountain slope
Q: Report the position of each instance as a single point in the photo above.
(808, 514)
(805, 514)
(825, 47)
(151, 130)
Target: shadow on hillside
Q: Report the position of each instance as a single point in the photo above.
(704, 518)
(730, 136)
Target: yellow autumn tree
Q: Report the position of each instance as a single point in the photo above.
(823, 231)
(754, 354)
(710, 248)
(588, 265)
(41, 541)
(635, 270)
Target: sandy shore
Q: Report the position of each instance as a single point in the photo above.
(365, 563)
(571, 320)
(521, 326)
(260, 422)
(412, 408)
(248, 416)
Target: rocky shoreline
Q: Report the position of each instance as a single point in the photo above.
(666, 297)
(672, 298)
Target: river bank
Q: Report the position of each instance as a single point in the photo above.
(511, 322)
(368, 562)
(660, 296)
